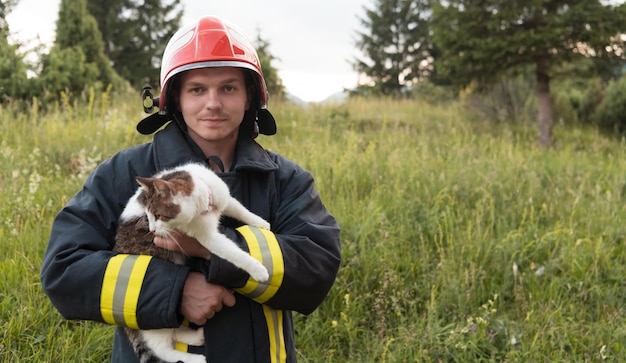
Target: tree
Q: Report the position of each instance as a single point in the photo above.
(13, 77)
(134, 33)
(482, 40)
(112, 23)
(76, 59)
(396, 45)
(274, 83)
(5, 8)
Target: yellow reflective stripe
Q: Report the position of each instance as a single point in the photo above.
(264, 247)
(108, 288)
(255, 251)
(132, 293)
(121, 285)
(274, 319)
(277, 265)
(181, 347)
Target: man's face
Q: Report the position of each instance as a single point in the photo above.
(213, 102)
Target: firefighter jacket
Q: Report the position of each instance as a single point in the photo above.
(85, 280)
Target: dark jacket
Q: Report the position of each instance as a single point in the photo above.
(85, 280)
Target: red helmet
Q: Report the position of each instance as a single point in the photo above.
(210, 42)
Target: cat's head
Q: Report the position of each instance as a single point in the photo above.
(163, 201)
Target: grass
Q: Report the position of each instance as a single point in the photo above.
(462, 241)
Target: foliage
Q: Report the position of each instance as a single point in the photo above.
(396, 45)
(462, 241)
(274, 83)
(135, 33)
(13, 77)
(429, 92)
(5, 8)
(611, 114)
(482, 40)
(76, 59)
(509, 99)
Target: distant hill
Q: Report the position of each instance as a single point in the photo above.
(295, 99)
(337, 97)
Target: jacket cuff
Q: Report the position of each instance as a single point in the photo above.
(263, 246)
(142, 292)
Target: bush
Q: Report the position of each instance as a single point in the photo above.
(611, 114)
(510, 99)
(576, 100)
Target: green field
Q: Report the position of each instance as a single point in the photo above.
(462, 241)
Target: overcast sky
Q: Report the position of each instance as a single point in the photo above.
(313, 40)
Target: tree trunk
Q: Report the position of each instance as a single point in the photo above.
(544, 104)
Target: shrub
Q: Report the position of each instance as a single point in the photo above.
(611, 114)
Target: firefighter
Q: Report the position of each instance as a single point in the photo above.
(212, 105)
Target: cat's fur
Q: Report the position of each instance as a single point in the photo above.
(191, 199)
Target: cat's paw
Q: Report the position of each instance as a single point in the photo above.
(196, 358)
(198, 337)
(259, 273)
(189, 336)
(256, 221)
(265, 225)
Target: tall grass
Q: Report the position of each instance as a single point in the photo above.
(462, 241)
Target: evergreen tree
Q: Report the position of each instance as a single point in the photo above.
(485, 39)
(77, 58)
(274, 83)
(5, 8)
(396, 45)
(112, 24)
(134, 33)
(13, 78)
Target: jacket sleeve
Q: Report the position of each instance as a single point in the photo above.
(85, 280)
(302, 251)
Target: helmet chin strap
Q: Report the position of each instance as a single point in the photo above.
(255, 127)
(178, 117)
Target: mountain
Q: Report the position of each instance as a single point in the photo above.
(295, 99)
(337, 97)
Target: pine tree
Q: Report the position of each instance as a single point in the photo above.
(14, 83)
(135, 33)
(485, 39)
(77, 58)
(5, 8)
(396, 45)
(274, 83)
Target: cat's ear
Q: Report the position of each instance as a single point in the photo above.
(161, 186)
(145, 183)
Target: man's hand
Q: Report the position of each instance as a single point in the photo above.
(182, 243)
(201, 300)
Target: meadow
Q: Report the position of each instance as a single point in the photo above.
(462, 240)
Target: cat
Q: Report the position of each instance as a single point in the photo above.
(190, 198)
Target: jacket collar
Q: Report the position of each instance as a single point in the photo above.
(173, 147)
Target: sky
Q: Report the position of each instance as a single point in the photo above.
(313, 41)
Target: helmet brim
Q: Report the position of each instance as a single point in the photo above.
(150, 124)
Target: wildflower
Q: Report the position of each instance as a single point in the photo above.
(540, 271)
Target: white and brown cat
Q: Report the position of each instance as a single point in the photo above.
(190, 198)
